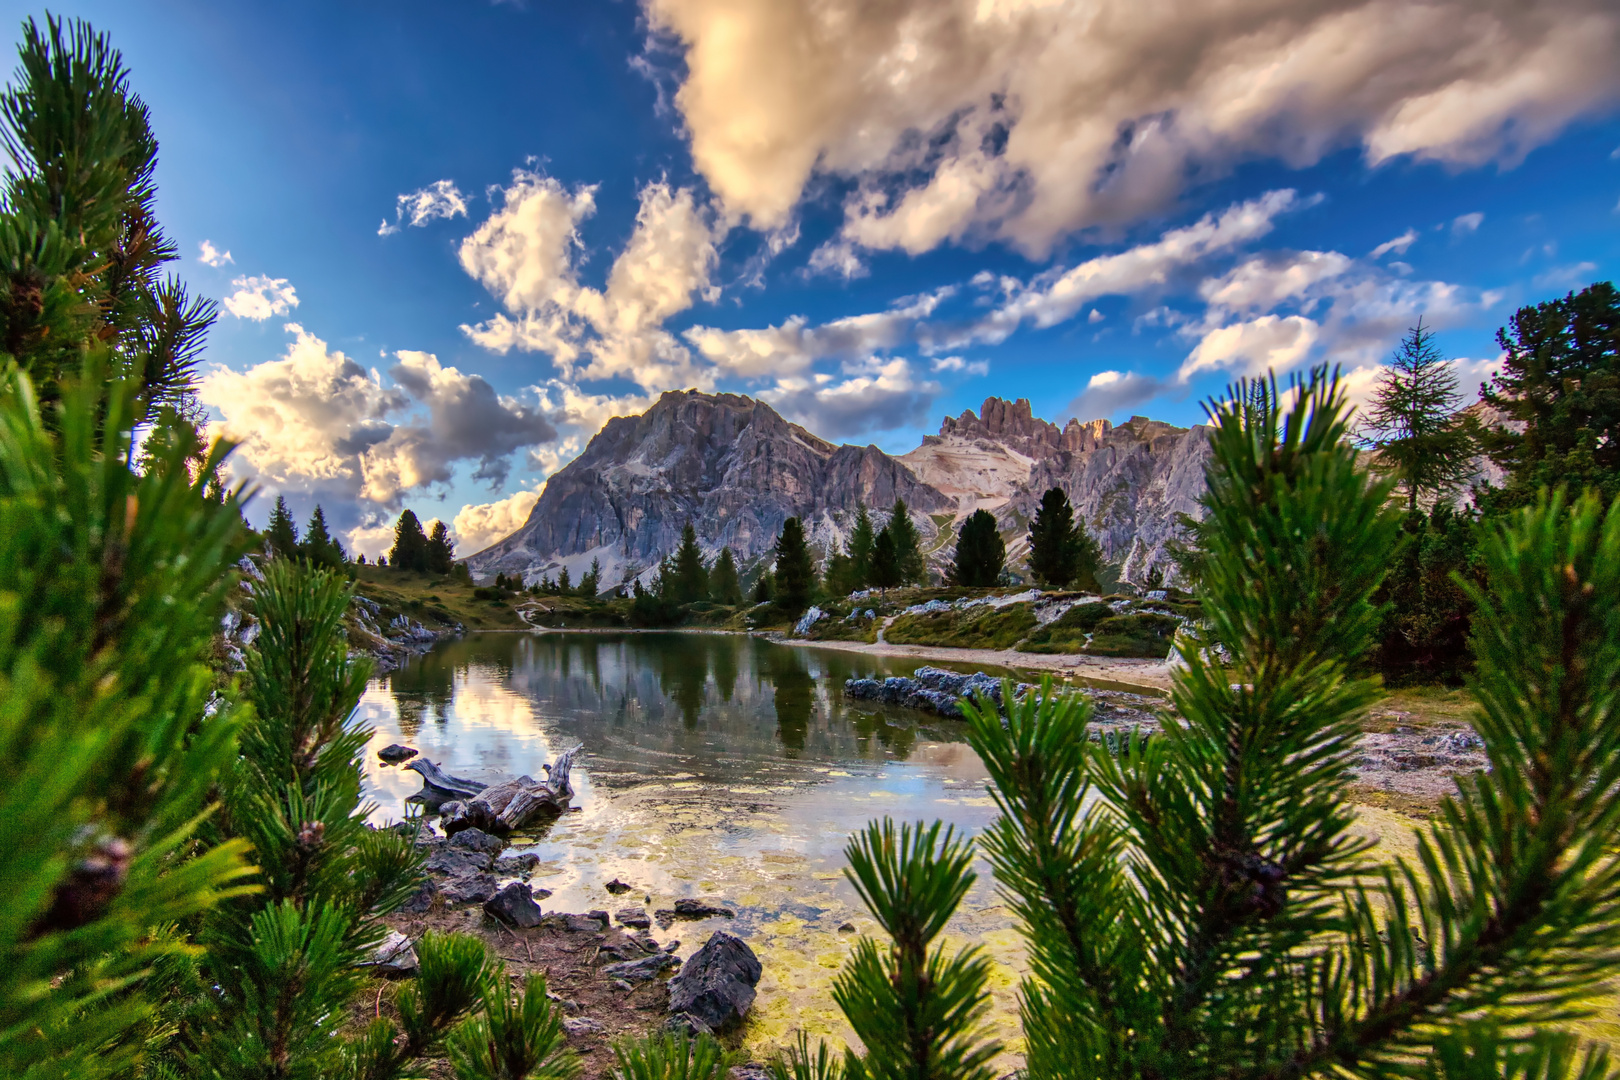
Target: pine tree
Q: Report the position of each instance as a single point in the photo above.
(1061, 552)
(907, 545)
(591, 583)
(689, 578)
(885, 569)
(980, 552)
(281, 535)
(84, 252)
(840, 573)
(318, 547)
(281, 966)
(862, 543)
(410, 551)
(112, 585)
(1196, 904)
(1560, 379)
(724, 588)
(441, 550)
(1412, 422)
(565, 583)
(764, 588)
(795, 577)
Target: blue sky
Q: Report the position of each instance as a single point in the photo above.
(503, 223)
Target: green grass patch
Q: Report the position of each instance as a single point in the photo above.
(975, 628)
(1143, 635)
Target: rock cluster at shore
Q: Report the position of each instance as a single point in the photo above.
(941, 693)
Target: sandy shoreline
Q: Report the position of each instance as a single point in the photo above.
(1152, 676)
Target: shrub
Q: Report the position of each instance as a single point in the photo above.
(972, 628)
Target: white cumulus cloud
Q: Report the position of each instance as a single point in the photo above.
(209, 255)
(440, 200)
(1025, 120)
(477, 526)
(258, 298)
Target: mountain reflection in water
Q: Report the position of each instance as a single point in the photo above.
(713, 765)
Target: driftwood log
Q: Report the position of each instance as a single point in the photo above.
(500, 808)
(439, 786)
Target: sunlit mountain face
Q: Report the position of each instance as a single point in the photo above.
(449, 242)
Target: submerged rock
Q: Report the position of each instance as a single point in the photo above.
(514, 905)
(616, 887)
(688, 908)
(395, 753)
(648, 967)
(717, 984)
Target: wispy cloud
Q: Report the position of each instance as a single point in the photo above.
(258, 298)
(440, 200)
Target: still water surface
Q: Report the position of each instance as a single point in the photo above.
(713, 765)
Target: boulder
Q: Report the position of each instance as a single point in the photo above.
(716, 985)
(396, 752)
(635, 918)
(581, 1025)
(514, 905)
(471, 889)
(477, 840)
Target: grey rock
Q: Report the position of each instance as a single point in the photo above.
(620, 984)
(472, 889)
(581, 1025)
(752, 1071)
(455, 862)
(647, 967)
(716, 985)
(584, 924)
(635, 918)
(687, 1024)
(477, 840)
(395, 752)
(847, 928)
(514, 905)
(395, 956)
(422, 899)
(600, 916)
(617, 887)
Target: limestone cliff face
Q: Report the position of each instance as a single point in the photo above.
(1129, 484)
(728, 464)
(736, 470)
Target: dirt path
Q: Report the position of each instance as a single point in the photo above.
(1152, 676)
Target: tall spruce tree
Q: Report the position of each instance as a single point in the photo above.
(795, 577)
(1560, 379)
(724, 587)
(689, 578)
(1061, 552)
(1196, 903)
(281, 535)
(318, 547)
(862, 544)
(907, 545)
(885, 572)
(410, 550)
(980, 553)
(1413, 425)
(590, 583)
(441, 550)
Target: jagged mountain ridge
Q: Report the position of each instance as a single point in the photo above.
(736, 470)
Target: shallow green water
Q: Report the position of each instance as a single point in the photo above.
(713, 765)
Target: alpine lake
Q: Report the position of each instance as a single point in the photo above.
(714, 765)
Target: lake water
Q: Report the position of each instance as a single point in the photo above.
(714, 765)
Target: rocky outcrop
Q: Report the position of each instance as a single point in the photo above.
(729, 465)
